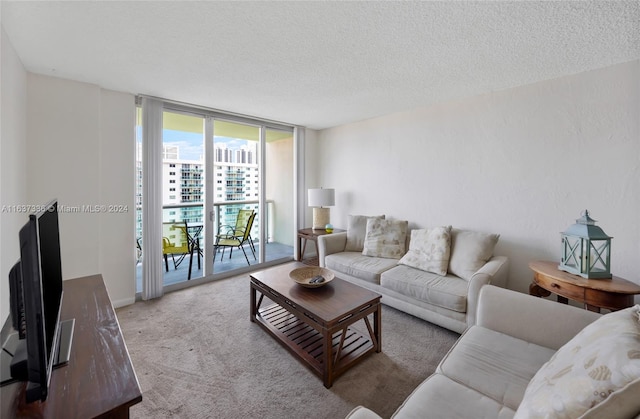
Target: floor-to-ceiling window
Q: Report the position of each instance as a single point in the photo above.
(251, 186)
(279, 184)
(182, 195)
(217, 170)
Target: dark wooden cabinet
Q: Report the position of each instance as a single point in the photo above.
(99, 380)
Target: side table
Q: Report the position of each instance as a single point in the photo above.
(311, 234)
(613, 294)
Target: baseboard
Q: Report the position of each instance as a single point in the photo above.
(123, 302)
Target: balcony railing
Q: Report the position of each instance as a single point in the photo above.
(224, 213)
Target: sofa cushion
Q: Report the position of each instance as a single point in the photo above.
(385, 238)
(470, 250)
(357, 265)
(356, 231)
(599, 370)
(429, 250)
(440, 397)
(443, 291)
(494, 364)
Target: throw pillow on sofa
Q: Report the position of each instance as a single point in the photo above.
(429, 250)
(385, 238)
(470, 250)
(356, 231)
(595, 374)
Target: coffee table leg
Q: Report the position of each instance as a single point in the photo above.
(252, 294)
(327, 346)
(377, 327)
(374, 333)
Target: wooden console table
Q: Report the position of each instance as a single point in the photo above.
(311, 234)
(613, 294)
(99, 380)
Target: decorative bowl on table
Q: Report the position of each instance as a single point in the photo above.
(312, 276)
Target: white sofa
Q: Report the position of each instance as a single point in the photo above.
(528, 357)
(447, 300)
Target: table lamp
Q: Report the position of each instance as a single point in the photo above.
(320, 198)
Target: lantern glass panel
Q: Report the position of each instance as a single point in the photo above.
(572, 253)
(598, 256)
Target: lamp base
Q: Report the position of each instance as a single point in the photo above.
(320, 218)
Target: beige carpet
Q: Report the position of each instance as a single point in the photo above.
(197, 355)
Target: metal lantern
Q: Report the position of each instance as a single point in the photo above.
(586, 249)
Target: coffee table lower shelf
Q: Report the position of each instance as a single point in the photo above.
(348, 346)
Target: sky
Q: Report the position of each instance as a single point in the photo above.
(191, 147)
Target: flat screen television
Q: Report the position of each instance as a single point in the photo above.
(36, 299)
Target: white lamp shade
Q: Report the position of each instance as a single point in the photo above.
(319, 197)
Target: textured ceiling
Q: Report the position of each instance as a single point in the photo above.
(319, 64)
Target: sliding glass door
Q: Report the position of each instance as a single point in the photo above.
(235, 203)
(252, 195)
(182, 191)
(227, 195)
(183, 195)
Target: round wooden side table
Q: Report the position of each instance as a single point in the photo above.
(613, 294)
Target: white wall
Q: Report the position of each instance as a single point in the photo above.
(523, 163)
(13, 117)
(117, 190)
(279, 185)
(312, 169)
(80, 143)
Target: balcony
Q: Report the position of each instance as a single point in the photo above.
(273, 251)
(224, 215)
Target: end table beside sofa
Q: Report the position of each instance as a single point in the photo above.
(613, 294)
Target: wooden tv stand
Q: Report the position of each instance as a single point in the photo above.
(99, 380)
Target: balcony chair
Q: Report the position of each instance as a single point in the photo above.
(138, 250)
(231, 240)
(175, 241)
(238, 229)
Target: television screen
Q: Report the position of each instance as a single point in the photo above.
(51, 271)
(41, 297)
(36, 345)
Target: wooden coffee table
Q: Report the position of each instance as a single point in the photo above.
(314, 323)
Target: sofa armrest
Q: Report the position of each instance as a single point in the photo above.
(362, 413)
(533, 319)
(493, 272)
(331, 243)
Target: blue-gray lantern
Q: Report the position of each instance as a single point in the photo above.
(586, 249)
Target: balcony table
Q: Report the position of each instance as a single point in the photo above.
(193, 235)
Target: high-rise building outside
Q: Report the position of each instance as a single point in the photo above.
(235, 178)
